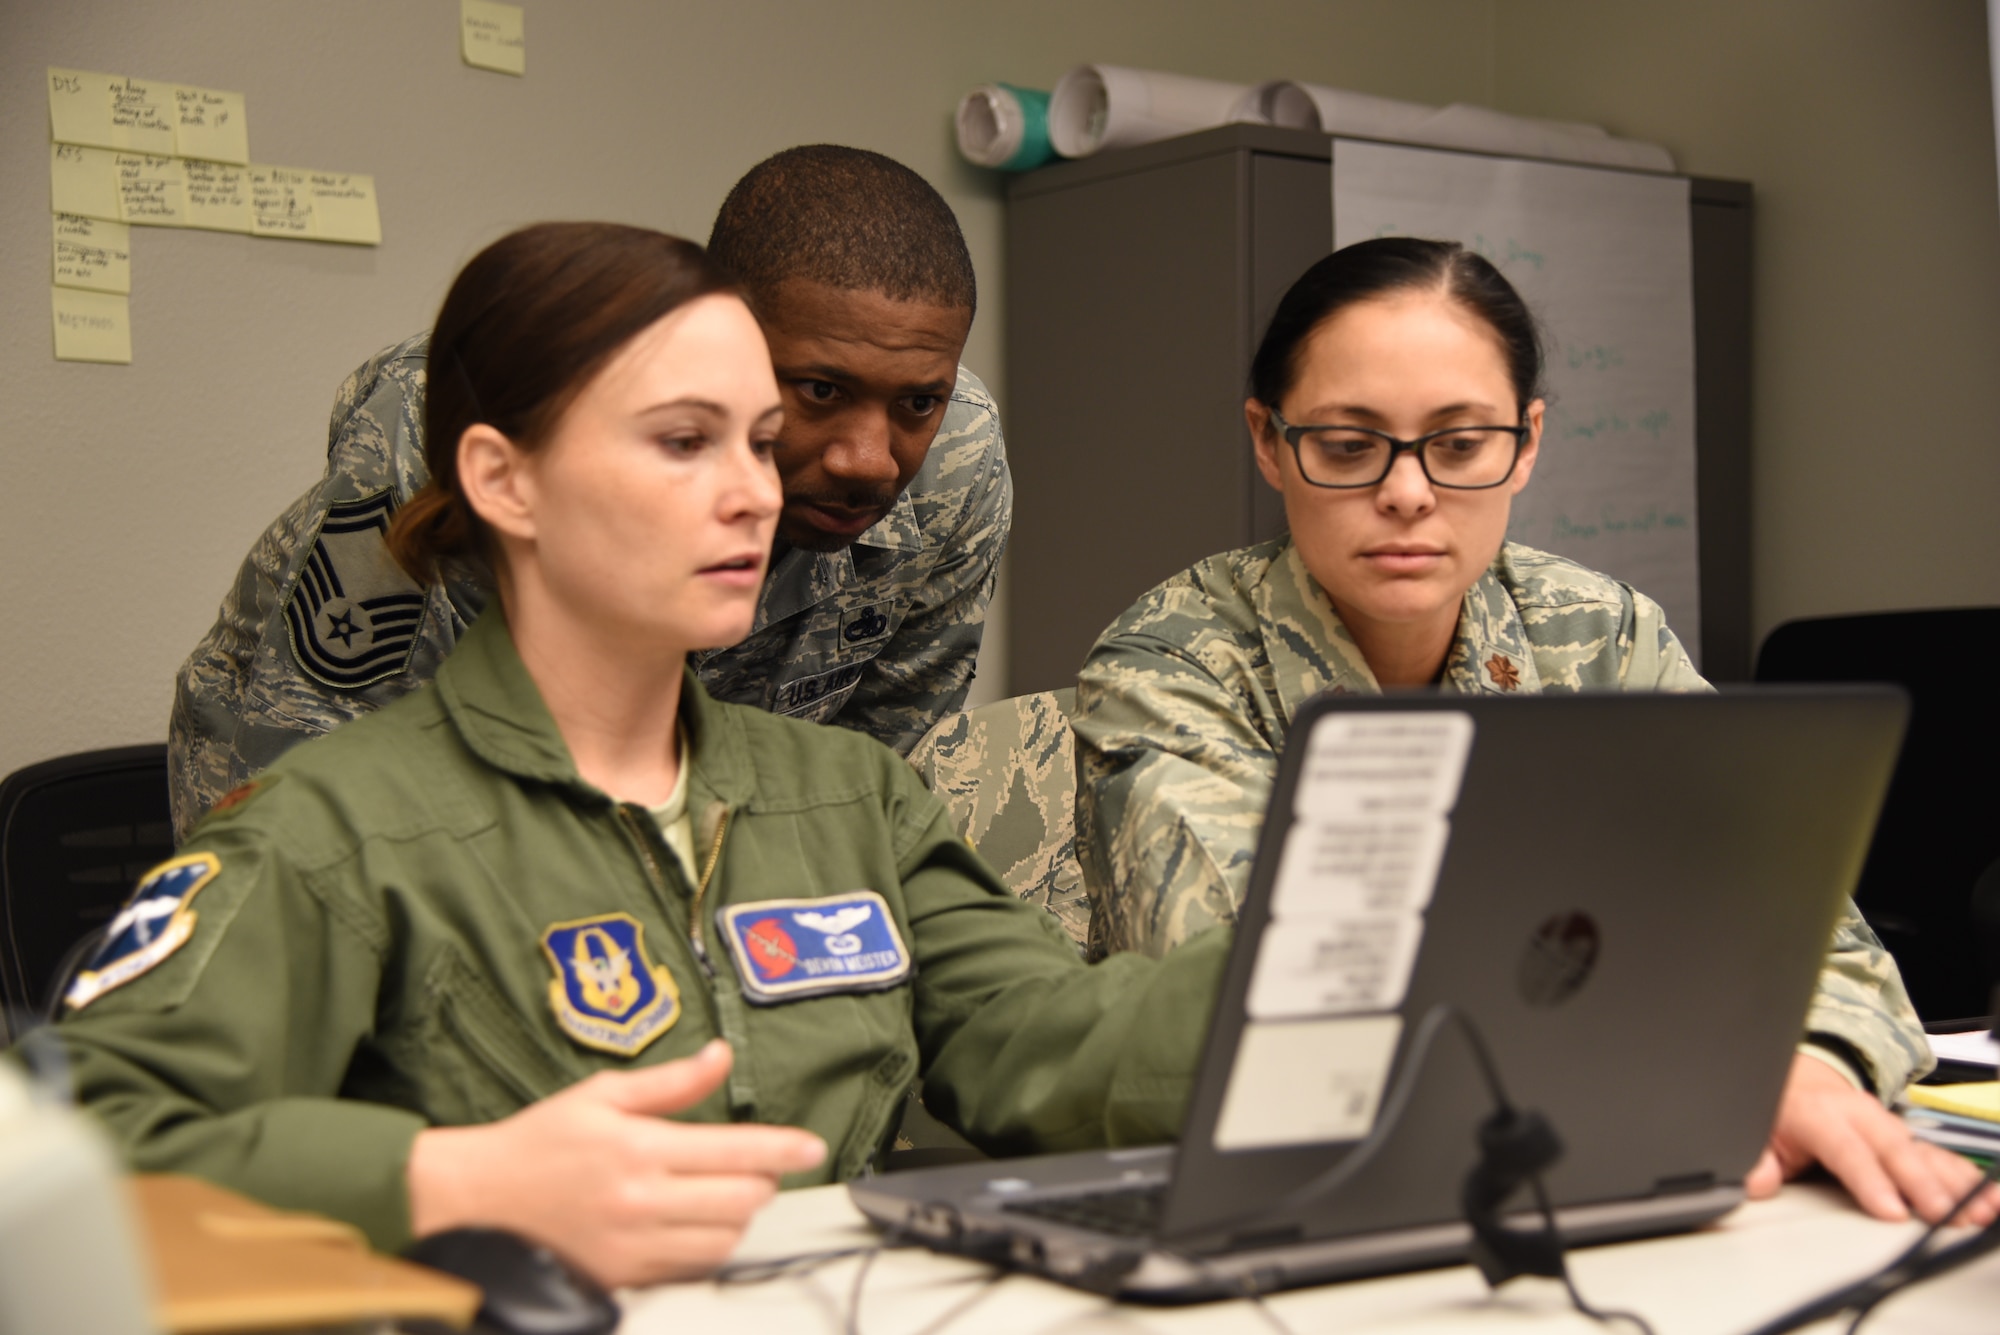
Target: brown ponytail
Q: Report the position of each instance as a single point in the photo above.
(525, 327)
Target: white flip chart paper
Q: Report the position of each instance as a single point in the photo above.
(1603, 257)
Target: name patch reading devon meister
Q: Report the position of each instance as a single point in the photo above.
(791, 948)
(606, 994)
(155, 922)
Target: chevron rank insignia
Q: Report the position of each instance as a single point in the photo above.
(790, 948)
(155, 922)
(606, 994)
(353, 614)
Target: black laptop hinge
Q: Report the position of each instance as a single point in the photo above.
(1267, 1237)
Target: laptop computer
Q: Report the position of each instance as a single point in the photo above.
(1629, 895)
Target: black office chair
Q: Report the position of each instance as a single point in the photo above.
(1940, 828)
(76, 833)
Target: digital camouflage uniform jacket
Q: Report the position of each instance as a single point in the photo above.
(1183, 703)
(322, 625)
(426, 917)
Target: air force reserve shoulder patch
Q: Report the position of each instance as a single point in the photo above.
(155, 922)
(353, 613)
(606, 994)
(791, 948)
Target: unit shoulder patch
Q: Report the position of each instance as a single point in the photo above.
(606, 994)
(786, 949)
(155, 922)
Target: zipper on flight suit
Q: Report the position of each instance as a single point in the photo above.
(694, 915)
(638, 831)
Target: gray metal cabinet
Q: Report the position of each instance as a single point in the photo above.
(1138, 284)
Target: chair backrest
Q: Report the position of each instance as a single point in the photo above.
(76, 833)
(1007, 771)
(1940, 826)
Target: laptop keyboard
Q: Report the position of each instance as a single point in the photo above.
(1125, 1211)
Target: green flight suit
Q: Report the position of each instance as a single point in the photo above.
(367, 957)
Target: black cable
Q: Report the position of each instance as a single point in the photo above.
(805, 1263)
(965, 1304)
(1387, 1119)
(1603, 1316)
(1910, 1266)
(1390, 1117)
(776, 1267)
(1271, 1318)
(852, 1326)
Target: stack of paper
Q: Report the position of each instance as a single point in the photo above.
(127, 152)
(1965, 1118)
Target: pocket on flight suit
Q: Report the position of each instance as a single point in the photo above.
(481, 1061)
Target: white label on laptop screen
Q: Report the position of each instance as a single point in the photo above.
(1334, 966)
(1381, 765)
(1360, 863)
(1307, 1083)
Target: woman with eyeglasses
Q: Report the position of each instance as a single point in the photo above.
(1396, 403)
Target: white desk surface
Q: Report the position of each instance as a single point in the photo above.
(1722, 1280)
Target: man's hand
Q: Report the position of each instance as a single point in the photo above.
(1825, 1120)
(596, 1174)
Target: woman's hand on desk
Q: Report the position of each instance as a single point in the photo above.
(597, 1174)
(1824, 1119)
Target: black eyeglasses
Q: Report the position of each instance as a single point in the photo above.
(1464, 458)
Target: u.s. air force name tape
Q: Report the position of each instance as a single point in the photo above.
(155, 922)
(791, 948)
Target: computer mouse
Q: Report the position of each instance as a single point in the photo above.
(529, 1289)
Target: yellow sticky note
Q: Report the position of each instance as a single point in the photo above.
(92, 326)
(80, 108)
(281, 203)
(211, 125)
(344, 208)
(218, 196)
(493, 36)
(152, 191)
(110, 111)
(92, 253)
(83, 180)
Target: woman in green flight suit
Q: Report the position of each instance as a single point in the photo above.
(456, 961)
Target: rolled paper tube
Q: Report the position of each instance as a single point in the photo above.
(1461, 125)
(1310, 106)
(1111, 106)
(1005, 127)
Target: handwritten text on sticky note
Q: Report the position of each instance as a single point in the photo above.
(493, 36)
(211, 125)
(218, 196)
(85, 181)
(92, 326)
(93, 254)
(152, 191)
(110, 111)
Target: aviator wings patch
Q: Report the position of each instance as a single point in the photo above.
(791, 948)
(353, 613)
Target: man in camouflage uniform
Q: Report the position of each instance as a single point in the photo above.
(897, 501)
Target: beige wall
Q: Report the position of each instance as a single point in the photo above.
(1867, 128)
(129, 494)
